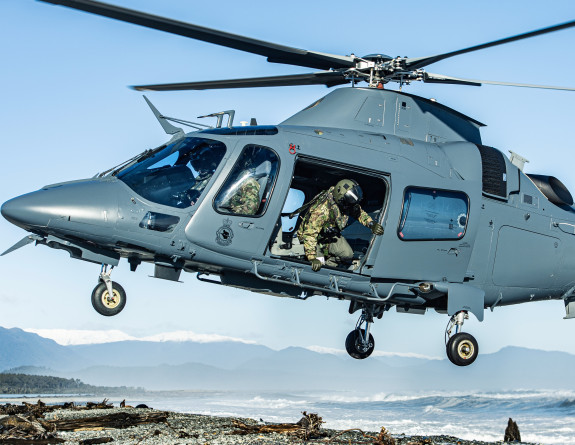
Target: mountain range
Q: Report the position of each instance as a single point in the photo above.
(227, 365)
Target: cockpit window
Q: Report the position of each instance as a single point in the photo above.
(249, 186)
(177, 175)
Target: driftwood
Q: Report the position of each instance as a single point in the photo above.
(17, 429)
(102, 405)
(96, 441)
(39, 408)
(50, 441)
(115, 420)
(36, 409)
(25, 423)
(383, 438)
(512, 432)
(308, 427)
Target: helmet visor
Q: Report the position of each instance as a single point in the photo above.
(352, 196)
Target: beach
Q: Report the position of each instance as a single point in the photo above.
(161, 427)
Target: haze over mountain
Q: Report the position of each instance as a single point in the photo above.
(227, 365)
(19, 348)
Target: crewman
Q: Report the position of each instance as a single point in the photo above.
(246, 201)
(328, 215)
(244, 195)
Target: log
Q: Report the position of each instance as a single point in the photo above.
(96, 441)
(17, 429)
(31, 441)
(116, 420)
(307, 427)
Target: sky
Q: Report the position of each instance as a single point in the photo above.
(66, 113)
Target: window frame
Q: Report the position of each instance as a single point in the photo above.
(401, 215)
(272, 188)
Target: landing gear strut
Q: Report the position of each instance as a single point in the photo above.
(461, 347)
(108, 297)
(360, 343)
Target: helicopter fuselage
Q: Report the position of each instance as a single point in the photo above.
(465, 228)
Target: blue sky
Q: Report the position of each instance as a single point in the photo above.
(65, 113)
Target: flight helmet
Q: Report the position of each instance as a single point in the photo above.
(347, 193)
(205, 158)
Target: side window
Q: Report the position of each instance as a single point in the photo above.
(249, 186)
(430, 214)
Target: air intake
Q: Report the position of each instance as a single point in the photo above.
(494, 172)
(553, 189)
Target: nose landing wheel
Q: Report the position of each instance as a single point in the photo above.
(106, 304)
(461, 348)
(108, 297)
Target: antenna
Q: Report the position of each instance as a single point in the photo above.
(176, 132)
(517, 160)
(220, 116)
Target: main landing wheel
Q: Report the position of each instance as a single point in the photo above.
(106, 304)
(357, 346)
(462, 349)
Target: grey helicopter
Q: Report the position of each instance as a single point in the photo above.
(460, 218)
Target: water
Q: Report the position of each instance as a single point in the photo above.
(542, 416)
(546, 417)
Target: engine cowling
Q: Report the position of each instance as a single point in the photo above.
(553, 189)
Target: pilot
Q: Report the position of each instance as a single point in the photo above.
(328, 215)
(204, 160)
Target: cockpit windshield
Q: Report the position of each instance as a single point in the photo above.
(177, 175)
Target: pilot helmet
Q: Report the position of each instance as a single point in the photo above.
(203, 158)
(347, 193)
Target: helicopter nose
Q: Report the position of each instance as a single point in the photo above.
(27, 211)
(75, 206)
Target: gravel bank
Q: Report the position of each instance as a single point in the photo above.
(188, 429)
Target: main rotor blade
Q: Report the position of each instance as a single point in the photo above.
(420, 62)
(439, 78)
(327, 78)
(275, 53)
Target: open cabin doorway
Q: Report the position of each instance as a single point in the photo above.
(310, 178)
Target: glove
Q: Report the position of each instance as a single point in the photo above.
(376, 229)
(316, 265)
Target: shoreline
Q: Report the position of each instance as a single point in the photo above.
(160, 427)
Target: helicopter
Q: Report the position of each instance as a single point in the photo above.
(461, 220)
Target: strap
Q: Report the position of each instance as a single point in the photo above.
(308, 205)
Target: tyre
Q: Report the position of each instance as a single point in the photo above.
(462, 349)
(106, 305)
(447, 350)
(355, 347)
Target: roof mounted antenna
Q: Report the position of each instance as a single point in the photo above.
(518, 160)
(220, 116)
(176, 132)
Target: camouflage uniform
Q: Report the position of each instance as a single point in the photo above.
(323, 217)
(246, 200)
